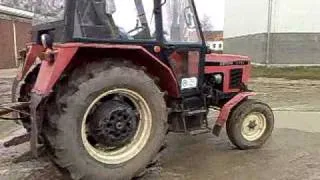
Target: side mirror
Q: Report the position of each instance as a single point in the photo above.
(189, 17)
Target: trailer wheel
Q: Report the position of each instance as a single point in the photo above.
(250, 124)
(110, 122)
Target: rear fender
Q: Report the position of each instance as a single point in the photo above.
(34, 51)
(51, 71)
(68, 53)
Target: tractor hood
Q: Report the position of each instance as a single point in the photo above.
(226, 59)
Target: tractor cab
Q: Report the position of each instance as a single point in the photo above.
(169, 30)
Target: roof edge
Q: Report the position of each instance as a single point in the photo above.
(16, 12)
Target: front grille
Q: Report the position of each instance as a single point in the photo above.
(235, 78)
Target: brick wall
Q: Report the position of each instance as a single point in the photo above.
(7, 49)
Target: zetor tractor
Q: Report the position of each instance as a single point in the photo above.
(104, 81)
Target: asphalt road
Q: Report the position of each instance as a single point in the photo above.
(293, 152)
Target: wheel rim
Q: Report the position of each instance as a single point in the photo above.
(137, 143)
(254, 126)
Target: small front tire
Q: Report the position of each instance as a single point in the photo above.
(250, 124)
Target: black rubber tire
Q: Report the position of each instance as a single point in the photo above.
(20, 92)
(66, 109)
(237, 117)
(14, 99)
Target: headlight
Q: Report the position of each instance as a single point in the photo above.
(218, 78)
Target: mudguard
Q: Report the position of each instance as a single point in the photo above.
(50, 72)
(226, 110)
(34, 51)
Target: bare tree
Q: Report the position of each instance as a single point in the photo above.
(206, 23)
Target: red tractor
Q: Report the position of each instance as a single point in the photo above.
(104, 82)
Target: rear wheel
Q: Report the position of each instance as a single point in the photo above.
(110, 122)
(250, 124)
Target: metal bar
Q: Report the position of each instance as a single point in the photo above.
(15, 42)
(35, 101)
(269, 26)
(8, 108)
(17, 140)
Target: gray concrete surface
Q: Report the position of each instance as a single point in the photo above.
(292, 153)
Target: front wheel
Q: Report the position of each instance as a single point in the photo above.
(250, 124)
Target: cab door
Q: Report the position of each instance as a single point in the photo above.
(183, 43)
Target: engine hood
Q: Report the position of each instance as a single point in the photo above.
(227, 59)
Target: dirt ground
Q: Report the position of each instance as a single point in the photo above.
(293, 152)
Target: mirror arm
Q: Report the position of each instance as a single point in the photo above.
(162, 4)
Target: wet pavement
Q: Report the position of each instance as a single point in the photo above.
(289, 154)
(293, 152)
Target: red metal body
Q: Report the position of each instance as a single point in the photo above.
(67, 54)
(34, 51)
(227, 63)
(226, 109)
(50, 72)
(185, 60)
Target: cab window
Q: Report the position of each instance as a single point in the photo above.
(117, 20)
(179, 22)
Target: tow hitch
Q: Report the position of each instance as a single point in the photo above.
(17, 107)
(13, 107)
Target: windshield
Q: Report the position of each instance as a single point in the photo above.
(46, 11)
(179, 22)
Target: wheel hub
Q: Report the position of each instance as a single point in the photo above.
(253, 126)
(114, 124)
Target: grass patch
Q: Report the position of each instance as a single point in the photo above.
(292, 73)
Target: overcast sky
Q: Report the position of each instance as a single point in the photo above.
(214, 9)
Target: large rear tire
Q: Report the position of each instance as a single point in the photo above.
(86, 91)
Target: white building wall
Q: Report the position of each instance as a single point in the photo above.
(295, 30)
(215, 45)
(295, 16)
(244, 17)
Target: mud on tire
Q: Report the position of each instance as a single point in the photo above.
(62, 130)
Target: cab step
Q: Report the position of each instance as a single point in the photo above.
(199, 131)
(13, 107)
(17, 140)
(195, 112)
